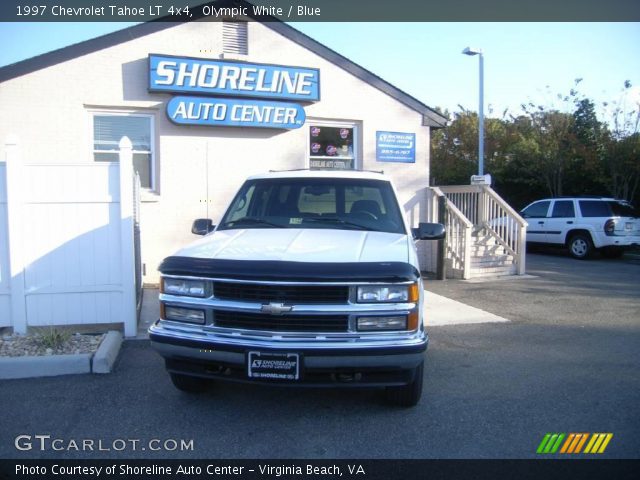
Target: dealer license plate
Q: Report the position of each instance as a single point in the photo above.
(274, 366)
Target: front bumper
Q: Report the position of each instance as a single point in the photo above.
(323, 362)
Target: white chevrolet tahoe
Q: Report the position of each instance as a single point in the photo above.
(311, 278)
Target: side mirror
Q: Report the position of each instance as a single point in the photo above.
(202, 226)
(429, 231)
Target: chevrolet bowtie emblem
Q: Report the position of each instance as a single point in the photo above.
(275, 308)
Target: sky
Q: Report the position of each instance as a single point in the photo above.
(523, 62)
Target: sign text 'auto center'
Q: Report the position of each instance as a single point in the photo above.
(212, 88)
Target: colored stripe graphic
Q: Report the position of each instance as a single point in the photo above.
(598, 442)
(582, 442)
(574, 442)
(550, 443)
(570, 444)
(543, 443)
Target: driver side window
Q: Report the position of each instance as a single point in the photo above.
(536, 210)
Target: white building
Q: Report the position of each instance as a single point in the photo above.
(296, 104)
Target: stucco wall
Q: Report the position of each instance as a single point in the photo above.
(200, 168)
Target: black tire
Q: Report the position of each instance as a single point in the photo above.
(189, 384)
(580, 246)
(612, 252)
(407, 395)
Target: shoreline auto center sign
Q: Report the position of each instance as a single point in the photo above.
(223, 82)
(395, 147)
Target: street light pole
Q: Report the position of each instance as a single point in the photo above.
(478, 51)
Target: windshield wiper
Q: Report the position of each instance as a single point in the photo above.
(254, 221)
(338, 220)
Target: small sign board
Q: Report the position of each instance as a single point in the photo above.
(481, 179)
(395, 147)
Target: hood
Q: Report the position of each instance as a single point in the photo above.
(300, 245)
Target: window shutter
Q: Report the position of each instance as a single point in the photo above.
(234, 38)
(109, 129)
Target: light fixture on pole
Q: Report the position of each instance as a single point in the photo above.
(478, 51)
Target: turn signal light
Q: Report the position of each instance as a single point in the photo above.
(412, 320)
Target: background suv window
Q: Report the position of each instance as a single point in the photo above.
(536, 210)
(594, 208)
(563, 209)
(621, 209)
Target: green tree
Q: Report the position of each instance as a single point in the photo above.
(454, 150)
(622, 147)
(556, 147)
(586, 174)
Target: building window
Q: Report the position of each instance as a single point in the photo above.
(332, 146)
(108, 130)
(234, 38)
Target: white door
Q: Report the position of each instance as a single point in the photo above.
(536, 215)
(560, 222)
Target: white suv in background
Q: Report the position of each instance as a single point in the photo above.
(583, 224)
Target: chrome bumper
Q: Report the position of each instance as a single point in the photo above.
(379, 360)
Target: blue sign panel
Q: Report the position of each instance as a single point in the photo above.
(237, 79)
(232, 112)
(396, 147)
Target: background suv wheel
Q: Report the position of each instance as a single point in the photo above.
(580, 246)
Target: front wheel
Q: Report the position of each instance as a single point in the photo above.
(407, 395)
(580, 246)
(189, 384)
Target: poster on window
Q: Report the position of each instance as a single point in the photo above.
(331, 147)
(396, 147)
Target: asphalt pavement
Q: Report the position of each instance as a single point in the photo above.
(568, 360)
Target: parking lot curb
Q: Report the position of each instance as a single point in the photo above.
(107, 353)
(44, 366)
(52, 365)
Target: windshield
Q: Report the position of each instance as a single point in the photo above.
(338, 203)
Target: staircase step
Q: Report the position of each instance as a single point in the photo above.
(491, 265)
(493, 272)
(479, 250)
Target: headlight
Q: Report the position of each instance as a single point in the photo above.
(388, 293)
(180, 314)
(382, 323)
(179, 286)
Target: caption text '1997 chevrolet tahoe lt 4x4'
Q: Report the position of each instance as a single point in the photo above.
(311, 278)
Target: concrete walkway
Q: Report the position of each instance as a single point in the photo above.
(439, 311)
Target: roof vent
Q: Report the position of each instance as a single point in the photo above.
(234, 38)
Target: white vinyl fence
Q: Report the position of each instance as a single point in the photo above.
(5, 273)
(66, 247)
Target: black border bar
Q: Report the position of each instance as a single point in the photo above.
(322, 10)
(304, 469)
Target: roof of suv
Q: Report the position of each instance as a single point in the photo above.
(584, 197)
(366, 175)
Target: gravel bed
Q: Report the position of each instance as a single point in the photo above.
(42, 344)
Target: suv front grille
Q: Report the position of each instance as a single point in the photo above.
(284, 323)
(281, 293)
